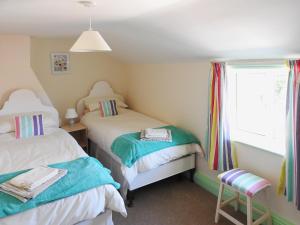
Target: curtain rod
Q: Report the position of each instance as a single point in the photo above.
(243, 61)
(249, 61)
(257, 62)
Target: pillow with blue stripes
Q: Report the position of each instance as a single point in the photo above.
(29, 125)
(108, 108)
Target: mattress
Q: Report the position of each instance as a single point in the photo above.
(104, 130)
(56, 146)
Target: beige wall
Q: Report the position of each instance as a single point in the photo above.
(172, 93)
(15, 70)
(178, 93)
(86, 68)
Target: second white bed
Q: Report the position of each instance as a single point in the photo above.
(103, 131)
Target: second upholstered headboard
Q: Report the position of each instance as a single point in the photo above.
(99, 89)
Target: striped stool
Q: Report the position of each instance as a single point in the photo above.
(242, 182)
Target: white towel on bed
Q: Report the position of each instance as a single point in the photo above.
(34, 178)
(168, 138)
(156, 133)
(25, 195)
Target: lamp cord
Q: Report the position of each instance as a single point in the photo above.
(90, 23)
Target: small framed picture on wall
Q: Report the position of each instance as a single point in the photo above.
(60, 63)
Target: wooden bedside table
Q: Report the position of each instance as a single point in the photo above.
(79, 132)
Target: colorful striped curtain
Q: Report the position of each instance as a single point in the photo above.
(221, 152)
(290, 174)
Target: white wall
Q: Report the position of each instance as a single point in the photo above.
(15, 70)
(178, 94)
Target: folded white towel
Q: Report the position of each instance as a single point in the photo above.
(25, 195)
(166, 139)
(156, 133)
(34, 178)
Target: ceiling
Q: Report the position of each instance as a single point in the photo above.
(167, 30)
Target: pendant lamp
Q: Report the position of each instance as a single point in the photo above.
(90, 40)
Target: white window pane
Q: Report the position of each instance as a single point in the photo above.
(252, 102)
(257, 99)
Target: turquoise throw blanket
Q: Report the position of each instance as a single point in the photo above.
(130, 148)
(83, 174)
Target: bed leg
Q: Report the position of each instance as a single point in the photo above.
(192, 172)
(129, 198)
(179, 177)
(88, 147)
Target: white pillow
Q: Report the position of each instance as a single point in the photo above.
(7, 123)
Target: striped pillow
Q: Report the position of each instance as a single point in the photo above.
(29, 126)
(108, 108)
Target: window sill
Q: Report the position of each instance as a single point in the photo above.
(261, 145)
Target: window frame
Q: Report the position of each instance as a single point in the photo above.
(276, 146)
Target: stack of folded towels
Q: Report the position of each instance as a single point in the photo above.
(151, 134)
(30, 184)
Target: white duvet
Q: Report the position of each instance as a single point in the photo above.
(103, 131)
(56, 146)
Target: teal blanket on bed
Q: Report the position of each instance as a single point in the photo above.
(83, 174)
(130, 148)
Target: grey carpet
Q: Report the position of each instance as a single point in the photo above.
(173, 202)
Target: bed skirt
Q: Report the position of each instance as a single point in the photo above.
(166, 170)
(110, 163)
(102, 219)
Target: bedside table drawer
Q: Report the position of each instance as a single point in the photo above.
(79, 132)
(81, 138)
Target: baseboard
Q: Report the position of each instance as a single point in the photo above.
(212, 186)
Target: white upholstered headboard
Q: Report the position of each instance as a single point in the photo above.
(101, 88)
(23, 101)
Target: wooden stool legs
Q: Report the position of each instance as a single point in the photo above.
(249, 210)
(237, 201)
(267, 199)
(221, 190)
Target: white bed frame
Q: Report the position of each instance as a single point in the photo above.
(24, 101)
(102, 88)
(142, 179)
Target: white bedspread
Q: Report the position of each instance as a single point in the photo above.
(103, 131)
(56, 146)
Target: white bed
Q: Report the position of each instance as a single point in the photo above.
(148, 169)
(91, 207)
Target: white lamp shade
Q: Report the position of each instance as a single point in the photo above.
(90, 41)
(71, 114)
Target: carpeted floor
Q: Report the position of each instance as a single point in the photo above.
(173, 202)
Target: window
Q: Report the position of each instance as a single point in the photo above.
(257, 96)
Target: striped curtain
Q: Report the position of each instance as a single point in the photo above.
(290, 174)
(221, 152)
